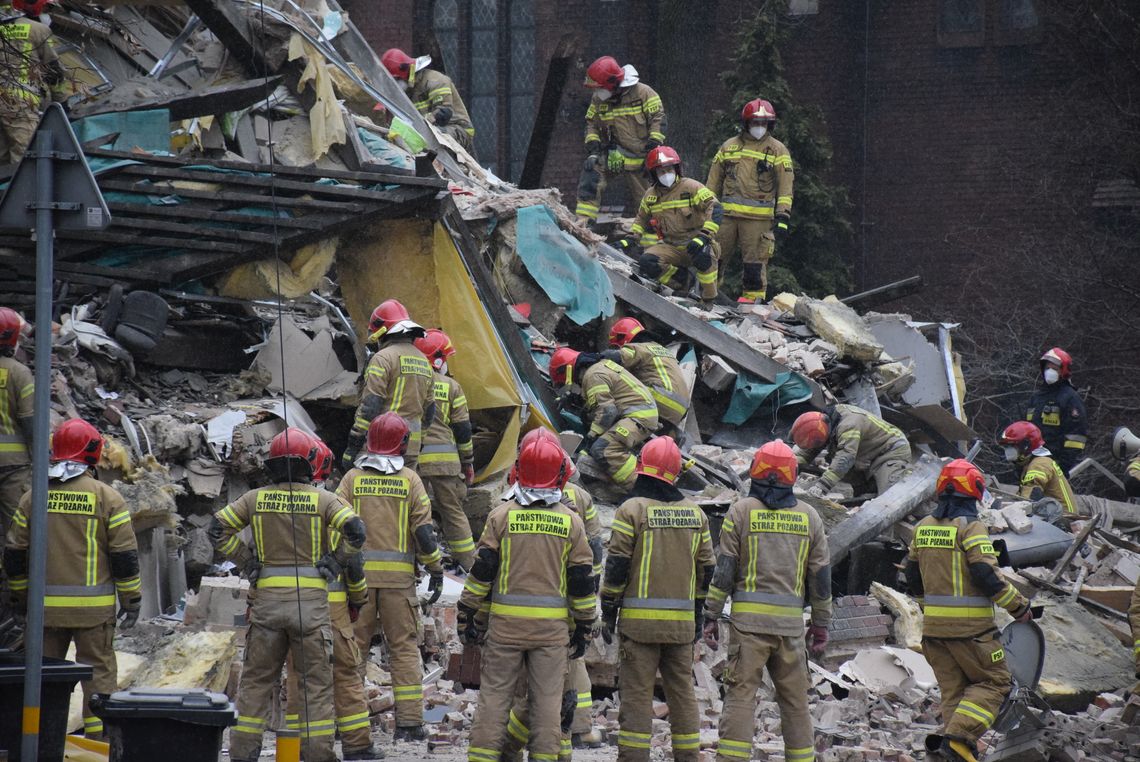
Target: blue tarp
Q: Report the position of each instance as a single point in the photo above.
(148, 130)
(563, 267)
(752, 393)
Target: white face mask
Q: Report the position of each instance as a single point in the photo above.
(1010, 453)
(603, 94)
(1051, 376)
(443, 367)
(758, 131)
(667, 178)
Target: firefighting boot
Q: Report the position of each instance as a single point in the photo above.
(591, 740)
(411, 733)
(368, 752)
(956, 750)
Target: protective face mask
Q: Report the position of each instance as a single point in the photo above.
(667, 179)
(1051, 376)
(1010, 454)
(758, 131)
(405, 84)
(603, 94)
(443, 367)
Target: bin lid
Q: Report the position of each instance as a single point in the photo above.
(53, 671)
(195, 705)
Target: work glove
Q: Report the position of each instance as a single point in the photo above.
(818, 490)
(469, 474)
(353, 612)
(816, 640)
(700, 623)
(329, 567)
(711, 632)
(610, 608)
(780, 228)
(442, 116)
(580, 639)
(651, 144)
(615, 162)
(585, 445)
(625, 245)
(252, 571)
(346, 461)
(569, 704)
(1023, 617)
(435, 586)
(594, 148)
(591, 163)
(465, 624)
(698, 249)
(129, 613)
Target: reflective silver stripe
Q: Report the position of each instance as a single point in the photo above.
(445, 448)
(289, 571)
(956, 600)
(669, 604)
(337, 587)
(748, 202)
(1076, 438)
(638, 409)
(12, 438)
(387, 555)
(79, 590)
(772, 598)
(547, 601)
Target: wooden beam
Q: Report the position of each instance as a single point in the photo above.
(251, 199)
(210, 100)
(885, 293)
(125, 239)
(200, 213)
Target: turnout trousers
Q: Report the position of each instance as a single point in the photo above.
(94, 646)
(447, 494)
(592, 185)
(617, 449)
(395, 611)
(757, 245)
(675, 263)
(974, 681)
(637, 674)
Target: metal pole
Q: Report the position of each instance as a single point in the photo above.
(34, 634)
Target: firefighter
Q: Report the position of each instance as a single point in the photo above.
(17, 389)
(290, 569)
(858, 443)
(1040, 475)
(752, 175)
(622, 411)
(29, 69)
(658, 570)
(1134, 621)
(624, 122)
(94, 559)
(773, 551)
(657, 368)
(446, 462)
(676, 225)
(534, 565)
(1059, 411)
(433, 94)
(953, 568)
(349, 700)
(398, 378)
(1126, 449)
(395, 507)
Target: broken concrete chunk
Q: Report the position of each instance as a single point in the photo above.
(842, 326)
(907, 626)
(716, 374)
(1016, 518)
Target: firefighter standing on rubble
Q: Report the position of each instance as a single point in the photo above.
(534, 566)
(858, 443)
(1059, 411)
(395, 507)
(752, 175)
(657, 368)
(29, 68)
(1040, 476)
(433, 94)
(446, 462)
(658, 570)
(290, 570)
(94, 558)
(398, 378)
(17, 389)
(622, 411)
(624, 122)
(676, 226)
(953, 569)
(773, 551)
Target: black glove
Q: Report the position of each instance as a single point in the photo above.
(651, 145)
(466, 627)
(586, 444)
(569, 705)
(610, 608)
(626, 245)
(442, 116)
(252, 571)
(435, 586)
(129, 612)
(698, 249)
(594, 147)
(780, 227)
(329, 567)
(700, 621)
(579, 640)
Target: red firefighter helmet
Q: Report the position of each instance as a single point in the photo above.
(389, 317)
(388, 434)
(436, 346)
(398, 63)
(322, 461)
(661, 459)
(78, 441)
(604, 73)
(10, 326)
(1059, 357)
(1023, 435)
(562, 366)
(542, 464)
(811, 430)
(758, 109)
(775, 461)
(294, 443)
(624, 331)
(30, 7)
(662, 156)
(961, 477)
(538, 435)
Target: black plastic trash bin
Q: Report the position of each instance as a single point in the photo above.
(59, 679)
(167, 724)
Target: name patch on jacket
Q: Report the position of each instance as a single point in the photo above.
(781, 522)
(283, 501)
(538, 522)
(381, 486)
(672, 517)
(414, 366)
(441, 391)
(60, 501)
(936, 537)
(659, 351)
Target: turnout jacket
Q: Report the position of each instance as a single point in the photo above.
(857, 440)
(668, 563)
(17, 391)
(613, 393)
(398, 378)
(1042, 471)
(582, 503)
(447, 447)
(93, 552)
(433, 90)
(1059, 412)
(628, 121)
(26, 47)
(675, 215)
(1134, 620)
(770, 560)
(753, 178)
(657, 368)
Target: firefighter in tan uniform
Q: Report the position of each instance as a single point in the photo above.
(94, 558)
(30, 69)
(657, 368)
(534, 566)
(349, 700)
(398, 378)
(1024, 446)
(17, 389)
(658, 570)
(953, 569)
(773, 552)
(859, 444)
(1134, 622)
(395, 507)
(622, 411)
(676, 225)
(290, 571)
(446, 462)
(624, 121)
(433, 94)
(752, 175)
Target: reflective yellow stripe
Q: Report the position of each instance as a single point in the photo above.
(973, 711)
(352, 722)
(686, 741)
(622, 527)
(129, 585)
(955, 612)
(338, 596)
(92, 553)
(118, 519)
(394, 566)
(661, 615)
(742, 607)
(476, 754)
(529, 612)
(13, 447)
(730, 748)
(79, 601)
(294, 582)
(632, 739)
(1074, 445)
